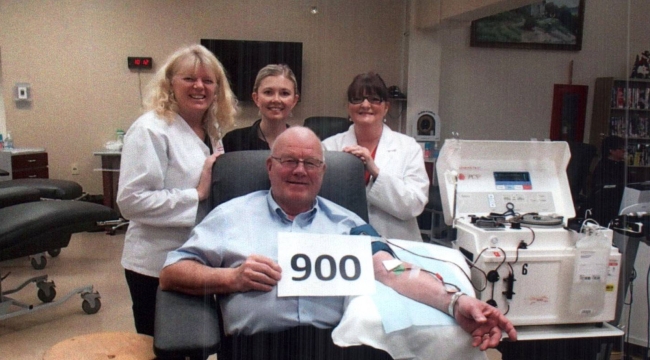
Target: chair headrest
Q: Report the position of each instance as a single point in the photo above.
(241, 172)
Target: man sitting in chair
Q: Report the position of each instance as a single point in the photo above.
(231, 253)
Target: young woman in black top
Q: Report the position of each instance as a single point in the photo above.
(275, 93)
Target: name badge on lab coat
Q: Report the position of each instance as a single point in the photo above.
(325, 265)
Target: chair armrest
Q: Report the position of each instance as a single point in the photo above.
(185, 325)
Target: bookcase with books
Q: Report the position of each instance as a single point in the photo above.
(622, 108)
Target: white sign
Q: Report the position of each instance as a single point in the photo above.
(325, 265)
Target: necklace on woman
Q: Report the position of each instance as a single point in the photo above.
(262, 133)
(264, 136)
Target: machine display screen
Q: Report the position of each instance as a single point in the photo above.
(507, 180)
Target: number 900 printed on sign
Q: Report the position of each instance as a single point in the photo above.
(325, 265)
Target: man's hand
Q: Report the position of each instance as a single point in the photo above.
(483, 322)
(257, 273)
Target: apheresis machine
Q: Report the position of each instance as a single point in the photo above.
(510, 204)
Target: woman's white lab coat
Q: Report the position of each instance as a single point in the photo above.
(160, 168)
(400, 192)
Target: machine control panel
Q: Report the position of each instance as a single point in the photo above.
(483, 177)
(512, 180)
(522, 202)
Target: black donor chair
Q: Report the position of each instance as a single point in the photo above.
(52, 189)
(15, 191)
(188, 326)
(30, 227)
(326, 126)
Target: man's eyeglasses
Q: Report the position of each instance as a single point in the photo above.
(373, 99)
(292, 163)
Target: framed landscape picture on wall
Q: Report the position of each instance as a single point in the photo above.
(551, 25)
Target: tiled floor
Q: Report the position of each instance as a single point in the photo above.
(91, 258)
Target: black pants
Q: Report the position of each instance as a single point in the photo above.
(299, 343)
(143, 295)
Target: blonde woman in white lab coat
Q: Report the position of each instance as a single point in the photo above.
(397, 182)
(166, 167)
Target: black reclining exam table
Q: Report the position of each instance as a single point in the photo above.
(63, 190)
(29, 226)
(45, 189)
(51, 189)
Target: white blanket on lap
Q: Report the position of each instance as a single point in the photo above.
(402, 327)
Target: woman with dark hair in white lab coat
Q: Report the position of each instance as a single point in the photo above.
(397, 182)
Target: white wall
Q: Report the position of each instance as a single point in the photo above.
(424, 71)
(73, 53)
(507, 94)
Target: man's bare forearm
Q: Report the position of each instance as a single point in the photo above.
(423, 287)
(194, 278)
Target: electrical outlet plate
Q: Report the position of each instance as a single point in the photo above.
(22, 92)
(75, 169)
